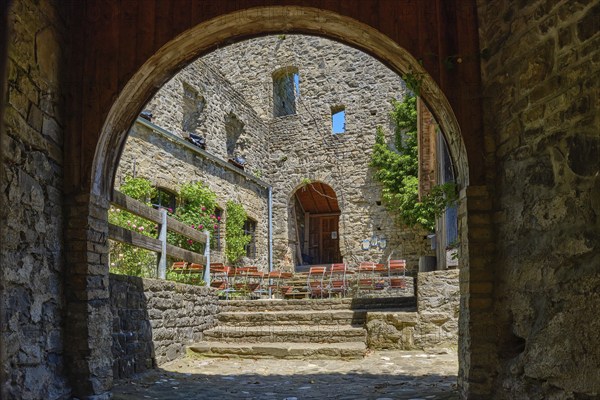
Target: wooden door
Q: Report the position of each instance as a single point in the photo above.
(330, 241)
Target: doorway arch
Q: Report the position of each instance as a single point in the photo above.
(236, 26)
(314, 220)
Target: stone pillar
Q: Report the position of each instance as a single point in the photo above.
(89, 319)
(477, 338)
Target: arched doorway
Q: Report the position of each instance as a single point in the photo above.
(189, 45)
(315, 215)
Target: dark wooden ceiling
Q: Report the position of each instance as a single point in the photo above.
(318, 198)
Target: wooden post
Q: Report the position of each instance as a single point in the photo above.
(162, 236)
(206, 276)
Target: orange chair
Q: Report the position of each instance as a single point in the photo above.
(276, 280)
(220, 278)
(338, 279)
(315, 281)
(397, 274)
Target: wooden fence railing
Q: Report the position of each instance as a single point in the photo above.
(159, 245)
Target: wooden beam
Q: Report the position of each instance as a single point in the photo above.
(187, 255)
(188, 231)
(130, 237)
(136, 207)
(136, 239)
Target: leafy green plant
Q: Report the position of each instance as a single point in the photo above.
(305, 181)
(187, 278)
(397, 170)
(235, 238)
(414, 81)
(197, 210)
(124, 258)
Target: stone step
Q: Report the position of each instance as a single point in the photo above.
(293, 317)
(288, 350)
(289, 333)
(263, 305)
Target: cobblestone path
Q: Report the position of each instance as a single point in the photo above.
(382, 375)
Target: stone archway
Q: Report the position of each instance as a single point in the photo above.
(201, 39)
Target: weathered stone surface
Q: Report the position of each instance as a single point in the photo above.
(433, 326)
(546, 268)
(154, 320)
(31, 252)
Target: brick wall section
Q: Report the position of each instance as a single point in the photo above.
(154, 320)
(541, 98)
(427, 138)
(31, 221)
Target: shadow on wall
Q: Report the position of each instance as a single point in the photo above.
(154, 320)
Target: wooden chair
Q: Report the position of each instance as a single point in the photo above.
(338, 279)
(315, 282)
(397, 274)
(221, 278)
(276, 281)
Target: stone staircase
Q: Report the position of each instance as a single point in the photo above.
(294, 328)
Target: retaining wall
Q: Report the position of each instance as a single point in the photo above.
(154, 320)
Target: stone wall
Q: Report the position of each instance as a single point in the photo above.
(31, 227)
(433, 326)
(301, 146)
(154, 320)
(219, 106)
(540, 83)
(168, 163)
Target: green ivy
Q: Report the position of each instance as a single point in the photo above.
(235, 238)
(398, 170)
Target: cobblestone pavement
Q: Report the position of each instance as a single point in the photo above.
(382, 375)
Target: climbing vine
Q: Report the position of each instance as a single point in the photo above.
(235, 237)
(397, 170)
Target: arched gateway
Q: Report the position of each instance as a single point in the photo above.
(88, 186)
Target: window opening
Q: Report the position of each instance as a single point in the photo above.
(250, 229)
(165, 199)
(338, 120)
(234, 129)
(297, 85)
(193, 104)
(286, 88)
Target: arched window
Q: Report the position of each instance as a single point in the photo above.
(286, 89)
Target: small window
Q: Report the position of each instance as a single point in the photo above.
(286, 89)
(250, 229)
(193, 105)
(165, 199)
(234, 128)
(338, 120)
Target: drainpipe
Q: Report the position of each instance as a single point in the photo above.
(270, 244)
